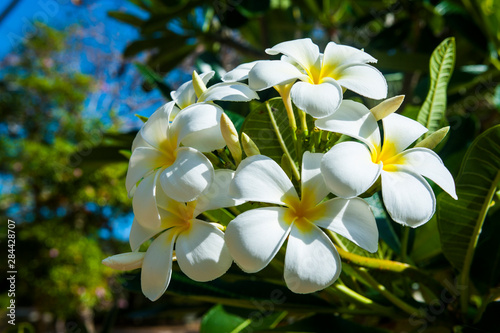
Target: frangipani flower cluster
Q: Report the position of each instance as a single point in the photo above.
(179, 169)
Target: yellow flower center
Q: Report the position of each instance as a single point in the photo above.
(387, 156)
(169, 149)
(302, 212)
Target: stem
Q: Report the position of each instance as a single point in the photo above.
(284, 92)
(303, 123)
(228, 163)
(295, 171)
(350, 294)
(387, 294)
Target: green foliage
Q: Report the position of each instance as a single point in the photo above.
(432, 113)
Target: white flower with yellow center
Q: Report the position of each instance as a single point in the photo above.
(321, 77)
(255, 236)
(199, 245)
(351, 168)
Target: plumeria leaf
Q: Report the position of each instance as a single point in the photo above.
(270, 131)
(460, 222)
(432, 113)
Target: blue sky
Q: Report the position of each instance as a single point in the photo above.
(108, 37)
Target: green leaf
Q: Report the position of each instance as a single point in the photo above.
(432, 113)
(221, 319)
(271, 141)
(126, 18)
(460, 222)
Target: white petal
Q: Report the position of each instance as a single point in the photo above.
(155, 129)
(255, 236)
(303, 51)
(259, 178)
(401, 131)
(144, 202)
(353, 219)
(408, 197)
(185, 95)
(139, 142)
(228, 91)
(341, 55)
(313, 185)
(318, 100)
(427, 163)
(125, 261)
(353, 119)
(157, 265)
(311, 262)
(365, 80)
(142, 161)
(201, 252)
(266, 74)
(217, 195)
(239, 73)
(190, 175)
(140, 234)
(348, 169)
(198, 126)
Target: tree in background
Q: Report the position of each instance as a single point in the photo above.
(59, 202)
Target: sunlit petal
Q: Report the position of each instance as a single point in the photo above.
(259, 178)
(217, 195)
(348, 169)
(266, 74)
(363, 79)
(353, 119)
(155, 129)
(303, 51)
(427, 163)
(228, 91)
(318, 100)
(353, 219)
(311, 262)
(408, 197)
(144, 202)
(313, 185)
(142, 161)
(201, 252)
(198, 126)
(157, 265)
(255, 236)
(401, 131)
(239, 73)
(336, 55)
(190, 175)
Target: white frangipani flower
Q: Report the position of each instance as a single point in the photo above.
(351, 168)
(321, 76)
(157, 156)
(199, 245)
(311, 261)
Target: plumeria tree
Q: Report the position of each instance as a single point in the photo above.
(308, 198)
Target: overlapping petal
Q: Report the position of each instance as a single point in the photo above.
(255, 236)
(428, 164)
(311, 262)
(318, 100)
(142, 161)
(348, 169)
(363, 79)
(125, 261)
(154, 131)
(217, 195)
(259, 178)
(266, 74)
(157, 265)
(408, 197)
(303, 51)
(337, 55)
(186, 95)
(201, 252)
(353, 219)
(400, 132)
(314, 188)
(240, 72)
(140, 234)
(228, 91)
(144, 202)
(188, 177)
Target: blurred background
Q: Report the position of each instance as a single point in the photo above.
(74, 75)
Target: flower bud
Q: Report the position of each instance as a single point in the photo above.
(387, 107)
(230, 136)
(434, 139)
(249, 146)
(125, 261)
(198, 84)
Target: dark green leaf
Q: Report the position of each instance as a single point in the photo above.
(154, 79)
(126, 18)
